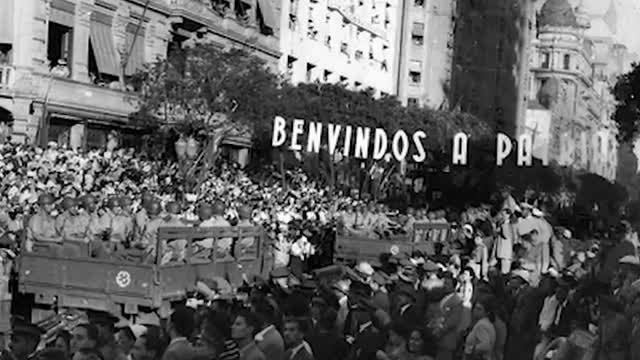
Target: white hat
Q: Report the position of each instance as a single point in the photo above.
(553, 273)
(522, 274)
(630, 260)
(365, 268)
(566, 233)
(138, 330)
(537, 212)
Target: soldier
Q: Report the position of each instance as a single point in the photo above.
(25, 338)
(246, 244)
(203, 247)
(142, 216)
(223, 245)
(95, 229)
(72, 227)
(42, 226)
(175, 247)
(150, 232)
(116, 224)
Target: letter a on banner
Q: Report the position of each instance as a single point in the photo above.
(525, 150)
(460, 141)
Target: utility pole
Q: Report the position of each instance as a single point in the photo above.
(127, 54)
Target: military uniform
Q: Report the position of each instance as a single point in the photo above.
(42, 228)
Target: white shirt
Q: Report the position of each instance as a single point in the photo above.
(548, 313)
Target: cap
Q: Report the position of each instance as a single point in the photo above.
(365, 268)
(629, 260)
(280, 272)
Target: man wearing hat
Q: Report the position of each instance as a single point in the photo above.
(405, 298)
(25, 338)
(105, 323)
(42, 225)
(527, 305)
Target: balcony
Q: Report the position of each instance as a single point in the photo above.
(81, 100)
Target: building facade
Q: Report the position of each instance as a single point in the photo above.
(65, 63)
(350, 42)
(490, 60)
(425, 49)
(573, 66)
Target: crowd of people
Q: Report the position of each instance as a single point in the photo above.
(503, 284)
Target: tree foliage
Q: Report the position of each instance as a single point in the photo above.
(627, 94)
(203, 89)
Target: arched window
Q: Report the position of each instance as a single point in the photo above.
(566, 62)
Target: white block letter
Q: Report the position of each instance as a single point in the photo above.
(279, 135)
(315, 137)
(347, 141)
(298, 129)
(400, 153)
(525, 150)
(334, 135)
(460, 146)
(379, 144)
(362, 142)
(503, 148)
(417, 141)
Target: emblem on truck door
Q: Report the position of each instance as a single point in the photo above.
(123, 279)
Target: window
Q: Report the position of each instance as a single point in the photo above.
(59, 47)
(358, 54)
(412, 102)
(327, 41)
(383, 65)
(417, 33)
(415, 77)
(545, 62)
(566, 62)
(344, 48)
(418, 2)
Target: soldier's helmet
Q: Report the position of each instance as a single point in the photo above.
(45, 199)
(113, 203)
(205, 211)
(173, 208)
(154, 208)
(68, 203)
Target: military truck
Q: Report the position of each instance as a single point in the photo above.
(350, 248)
(128, 286)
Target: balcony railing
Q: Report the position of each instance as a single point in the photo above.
(6, 77)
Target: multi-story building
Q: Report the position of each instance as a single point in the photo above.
(424, 54)
(575, 62)
(65, 63)
(339, 41)
(490, 67)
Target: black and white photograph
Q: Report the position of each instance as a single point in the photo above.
(319, 180)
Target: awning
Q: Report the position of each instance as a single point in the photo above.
(104, 48)
(417, 29)
(135, 61)
(6, 24)
(268, 15)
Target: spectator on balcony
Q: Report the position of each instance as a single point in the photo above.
(60, 69)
